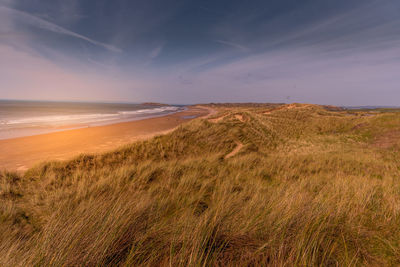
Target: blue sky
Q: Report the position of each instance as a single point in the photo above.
(317, 51)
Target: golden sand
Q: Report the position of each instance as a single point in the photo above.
(24, 152)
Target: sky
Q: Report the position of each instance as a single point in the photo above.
(184, 51)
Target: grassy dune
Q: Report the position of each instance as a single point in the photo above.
(305, 186)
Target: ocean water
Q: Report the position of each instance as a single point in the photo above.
(25, 118)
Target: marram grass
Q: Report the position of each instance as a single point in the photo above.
(308, 187)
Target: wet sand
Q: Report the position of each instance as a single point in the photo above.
(19, 154)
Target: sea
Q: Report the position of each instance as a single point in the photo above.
(26, 118)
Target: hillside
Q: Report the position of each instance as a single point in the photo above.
(277, 185)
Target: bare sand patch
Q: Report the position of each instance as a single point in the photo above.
(218, 119)
(388, 139)
(236, 150)
(239, 117)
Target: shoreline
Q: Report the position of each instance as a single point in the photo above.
(27, 132)
(22, 153)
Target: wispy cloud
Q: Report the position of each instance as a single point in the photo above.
(49, 26)
(234, 45)
(156, 51)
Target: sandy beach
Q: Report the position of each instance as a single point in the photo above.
(22, 153)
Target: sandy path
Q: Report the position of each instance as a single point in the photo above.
(218, 119)
(22, 153)
(236, 150)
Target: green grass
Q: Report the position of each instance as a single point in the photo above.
(310, 187)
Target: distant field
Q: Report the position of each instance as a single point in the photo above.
(273, 184)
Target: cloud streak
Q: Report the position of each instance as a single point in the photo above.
(49, 26)
(234, 45)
